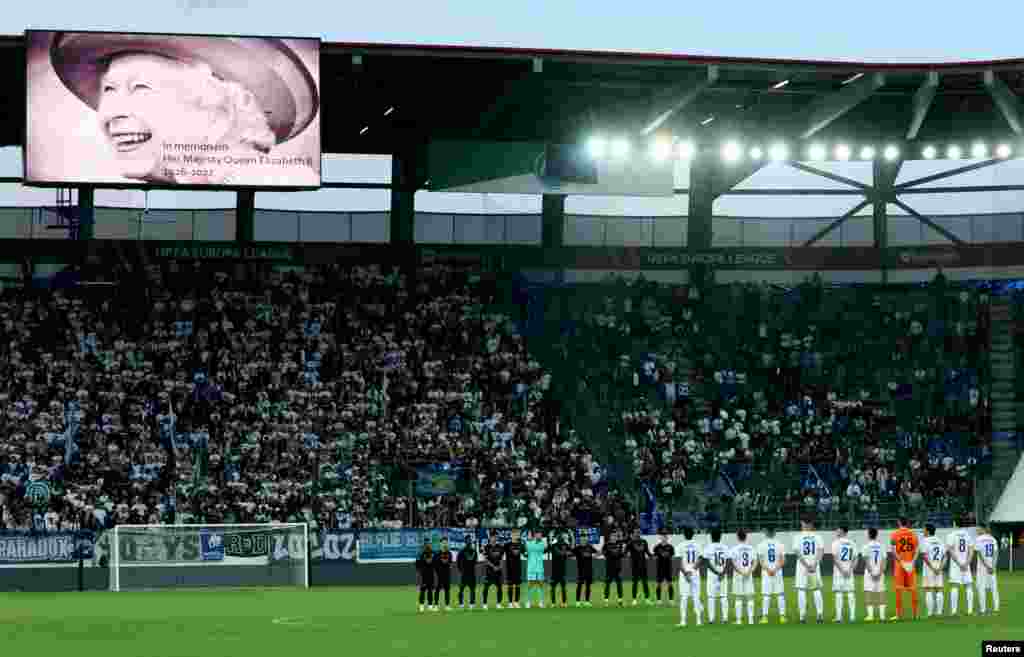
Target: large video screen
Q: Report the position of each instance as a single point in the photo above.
(165, 110)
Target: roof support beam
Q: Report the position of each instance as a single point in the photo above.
(922, 102)
(946, 174)
(800, 166)
(831, 107)
(927, 222)
(838, 222)
(679, 97)
(725, 178)
(1005, 100)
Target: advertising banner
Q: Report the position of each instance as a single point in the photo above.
(404, 545)
(18, 547)
(169, 110)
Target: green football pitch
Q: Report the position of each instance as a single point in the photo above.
(385, 621)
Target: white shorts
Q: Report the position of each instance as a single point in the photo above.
(689, 589)
(806, 580)
(772, 584)
(931, 579)
(986, 581)
(872, 585)
(743, 585)
(718, 587)
(842, 583)
(957, 576)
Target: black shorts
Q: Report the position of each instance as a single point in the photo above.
(493, 578)
(558, 578)
(638, 571)
(515, 580)
(664, 575)
(585, 575)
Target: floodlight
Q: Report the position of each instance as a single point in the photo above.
(620, 147)
(979, 150)
(1003, 151)
(843, 152)
(780, 84)
(687, 149)
(756, 153)
(867, 153)
(778, 152)
(596, 147)
(661, 149)
(954, 153)
(731, 152)
(929, 152)
(816, 152)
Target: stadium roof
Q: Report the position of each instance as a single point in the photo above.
(381, 98)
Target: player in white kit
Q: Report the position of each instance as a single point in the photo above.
(987, 549)
(933, 552)
(744, 560)
(876, 557)
(771, 556)
(716, 558)
(689, 577)
(809, 549)
(960, 548)
(844, 558)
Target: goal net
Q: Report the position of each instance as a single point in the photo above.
(144, 557)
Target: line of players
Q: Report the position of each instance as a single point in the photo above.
(502, 569)
(716, 561)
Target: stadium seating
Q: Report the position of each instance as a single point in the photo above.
(252, 395)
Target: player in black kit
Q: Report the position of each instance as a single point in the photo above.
(639, 553)
(514, 568)
(443, 571)
(560, 552)
(613, 552)
(425, 569)
(466, 561)
(584, 553)
(663, 555)
(493, 554)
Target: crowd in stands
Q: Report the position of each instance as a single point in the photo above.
(247, 394)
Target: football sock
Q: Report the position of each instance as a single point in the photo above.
(954, 599)
(711, 610)
(839, 606)
(881, 612)
(671, 593)
(725, 609)
(982, 600)
(739, 610)
(929, 605)
(684, 603)
(899, 603)
(995, 595)
(766, 605)
(782, 605)
(657, 592)
(970, 598)
(871, 611)
(938, 602)
(801, 603)
(913, 601)
(851, 600)
(750, 610)
(819, 603)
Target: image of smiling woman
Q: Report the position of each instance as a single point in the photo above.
(151, 106)
(194, 110)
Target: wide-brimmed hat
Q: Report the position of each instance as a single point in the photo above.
(268, 68)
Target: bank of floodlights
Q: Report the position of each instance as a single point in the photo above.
(664, 148)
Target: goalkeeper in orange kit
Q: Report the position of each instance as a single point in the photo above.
(905, 546)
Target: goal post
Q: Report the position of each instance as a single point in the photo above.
(151, 557)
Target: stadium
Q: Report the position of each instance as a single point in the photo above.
(299, 357)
